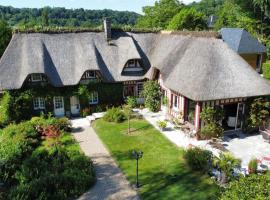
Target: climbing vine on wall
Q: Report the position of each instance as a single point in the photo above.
(20, 102)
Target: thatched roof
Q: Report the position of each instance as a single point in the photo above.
(201, 68)
(242, 41)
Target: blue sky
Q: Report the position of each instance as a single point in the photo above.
(131, 5)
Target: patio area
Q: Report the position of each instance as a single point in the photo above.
(247, 147)
(240, 145)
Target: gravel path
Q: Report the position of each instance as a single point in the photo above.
(111, 183)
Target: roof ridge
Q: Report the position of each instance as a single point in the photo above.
(241, 37)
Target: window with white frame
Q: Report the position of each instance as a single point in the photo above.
(90, 75)
(36, 77)
(175, 101)
(39, 103)
(139, 89)
(133, 66)
(93, 98)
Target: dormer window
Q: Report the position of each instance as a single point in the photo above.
(133, 65)
(90, 74)
(36, 77)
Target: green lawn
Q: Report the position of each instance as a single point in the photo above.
(163, 172)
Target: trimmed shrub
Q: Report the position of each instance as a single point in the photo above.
(152, 95)
(249, 187)
(198, 159)
(266, 70)
(115, 114)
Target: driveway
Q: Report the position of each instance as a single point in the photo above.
(111, 183)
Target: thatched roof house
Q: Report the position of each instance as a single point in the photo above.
(200, 68)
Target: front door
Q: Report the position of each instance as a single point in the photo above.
(59, 109)
(74, 105)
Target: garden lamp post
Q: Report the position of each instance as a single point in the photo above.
(137, 155)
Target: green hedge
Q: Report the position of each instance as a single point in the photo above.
(250, 187)
(266, 70)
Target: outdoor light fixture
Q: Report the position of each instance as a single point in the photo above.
(137, 155)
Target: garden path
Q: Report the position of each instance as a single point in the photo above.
(111, 183)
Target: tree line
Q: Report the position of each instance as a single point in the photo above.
(47, 16)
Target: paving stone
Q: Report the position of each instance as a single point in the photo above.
(111, 183)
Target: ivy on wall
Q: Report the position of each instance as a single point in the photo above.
(20, 105)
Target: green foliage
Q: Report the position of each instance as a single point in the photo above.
(30, 17)
(188, 18)
(211, 130)
(163, 173)
(16, 143)
(45, 16)
(198, 159)
(231, 15)
(114, 114)
(252, 166)
(5, 114)
(162, 124)
(259, 112)
(211, 117)
(208, 7)
(62, 123)
(132, 102)
(249, 188)
(152, 95)
(165, 101)
(53, 175)
(266, 70)
(32, 169)
(5, 36)
(159, 15)
(226, 163)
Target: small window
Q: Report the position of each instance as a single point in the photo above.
(93, 98)
(36, 77)
(258, 62)
(39, 103)
(175, 102)
(90, 74)
(132, 63)
(139, 89)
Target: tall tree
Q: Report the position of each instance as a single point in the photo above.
(159, 15)
(264, 6)
(5, 35)
(188, 18)
(45, 16)
(231, 15)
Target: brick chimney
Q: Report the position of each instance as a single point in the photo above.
(107, 28)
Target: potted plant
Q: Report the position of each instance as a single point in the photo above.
(252, 166)
(162, 125)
